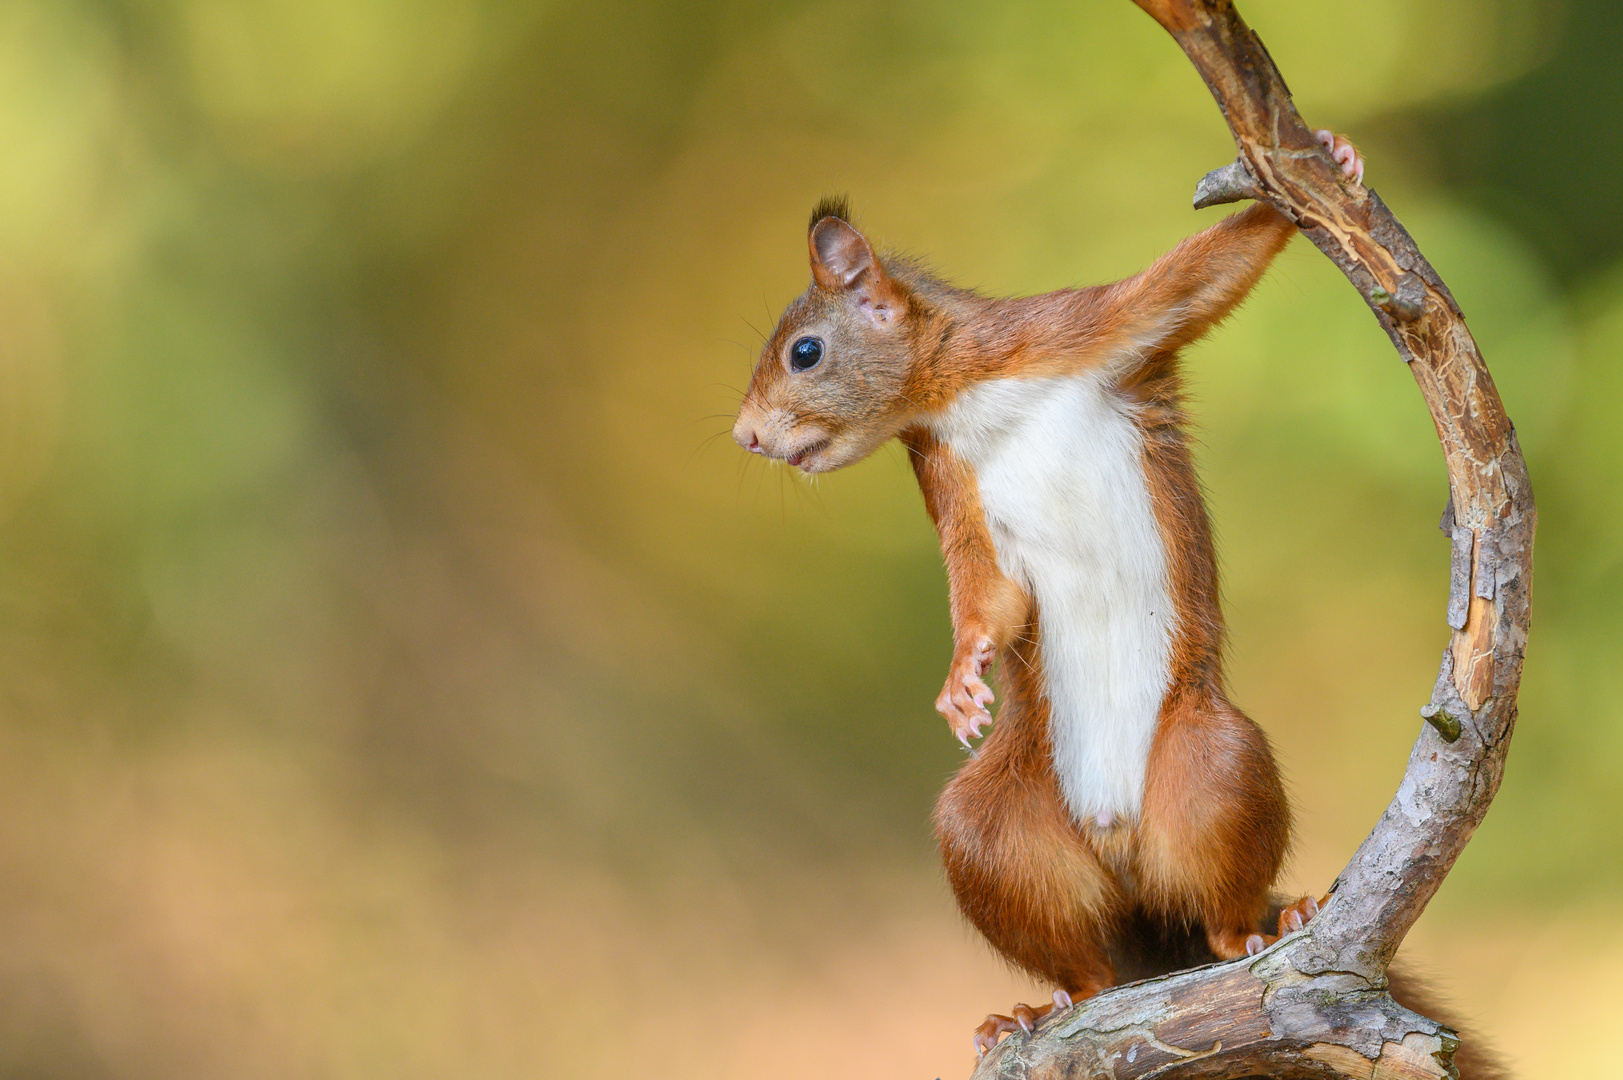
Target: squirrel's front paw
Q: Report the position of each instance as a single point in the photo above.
(1344, 153)
(964, 699)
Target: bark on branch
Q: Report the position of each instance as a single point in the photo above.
(1315, 1003)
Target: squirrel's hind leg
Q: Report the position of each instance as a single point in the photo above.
(1022, 871)
(1215, 822)
(1024, 876)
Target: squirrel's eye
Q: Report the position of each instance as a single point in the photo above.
(805, 353)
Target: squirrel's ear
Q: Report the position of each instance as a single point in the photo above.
(842, 261)
(839, 255)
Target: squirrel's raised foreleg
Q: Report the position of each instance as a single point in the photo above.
(1197, 284)
(987, 607)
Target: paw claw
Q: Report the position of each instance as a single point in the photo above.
(1255, 944)
(986, 1036)
(1062, 1000)
(1298, 915)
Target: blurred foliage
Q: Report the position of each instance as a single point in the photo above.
(1532, 149)
(402, 669)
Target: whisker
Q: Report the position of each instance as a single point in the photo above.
(760, 482)
(767, 307)
(705, 445)
(1026, 663)
(905, 397)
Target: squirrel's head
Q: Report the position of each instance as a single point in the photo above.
(829, 388)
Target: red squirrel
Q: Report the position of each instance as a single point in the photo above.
(1120, 800)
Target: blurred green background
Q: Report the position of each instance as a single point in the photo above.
(403, 673)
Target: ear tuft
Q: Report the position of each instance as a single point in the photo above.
(830, 206)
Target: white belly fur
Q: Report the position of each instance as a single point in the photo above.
(1062, 483)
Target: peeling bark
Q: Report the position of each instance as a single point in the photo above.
(1315, 1004)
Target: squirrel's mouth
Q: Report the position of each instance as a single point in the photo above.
(799, 456)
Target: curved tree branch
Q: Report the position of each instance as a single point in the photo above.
(1315, 1003)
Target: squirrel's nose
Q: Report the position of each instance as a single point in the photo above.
(745, 435)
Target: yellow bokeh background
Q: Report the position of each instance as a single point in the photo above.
(403, 674)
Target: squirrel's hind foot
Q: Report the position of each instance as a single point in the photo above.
(1231, 944)
(1300, 914)
(1025, 1018)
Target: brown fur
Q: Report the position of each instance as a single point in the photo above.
(1065, 901)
